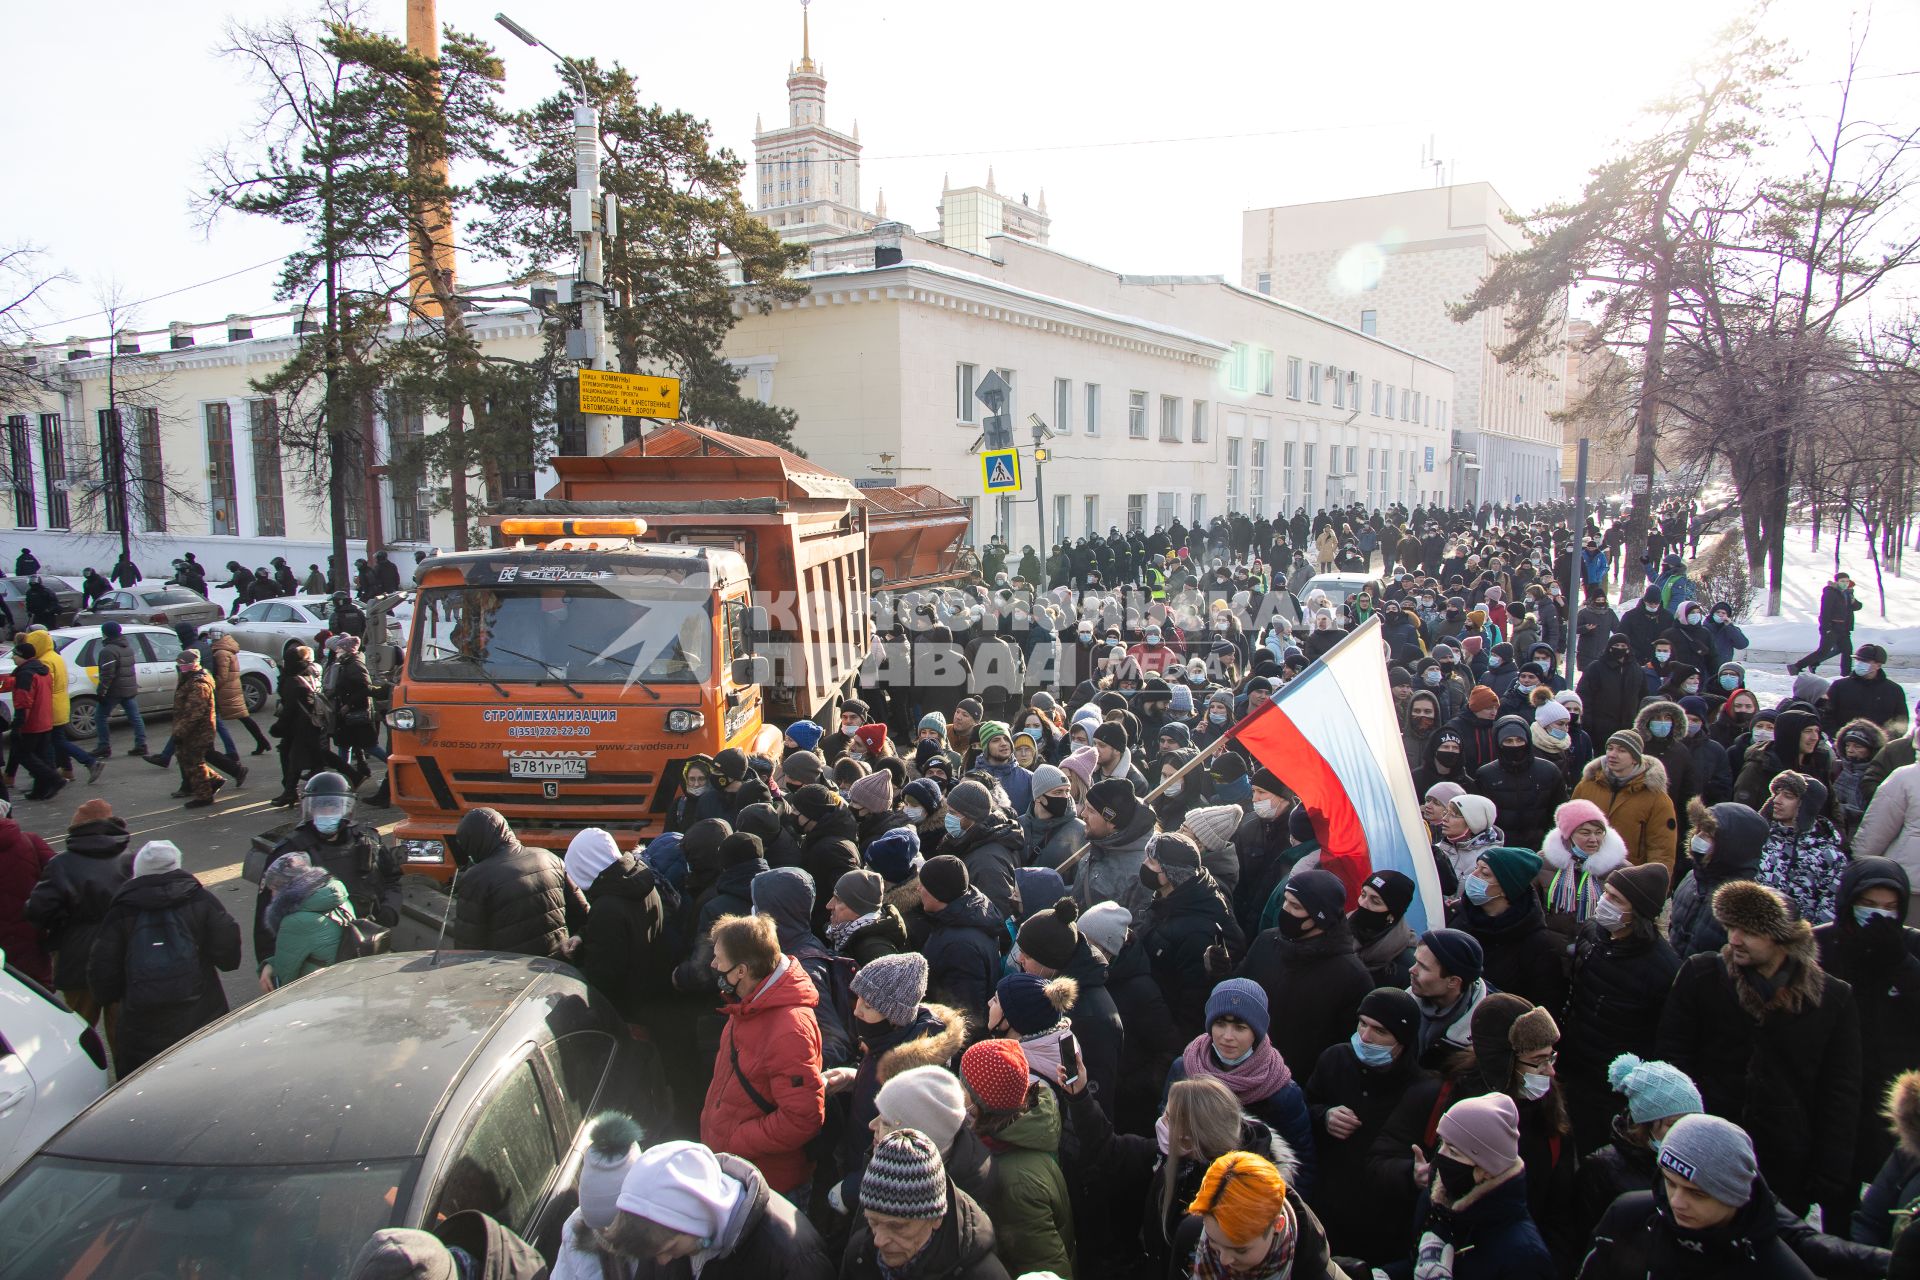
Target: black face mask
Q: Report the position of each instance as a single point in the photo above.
(1448, 760)
(1052, 806)
(1149, 879)
(1515, 753)
(1368, 925)
(871, 1032)
(1294, 927)
(1455, 1175)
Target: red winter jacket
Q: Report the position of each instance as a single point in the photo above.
(32, 696)
(777, 1039)
(23, 856)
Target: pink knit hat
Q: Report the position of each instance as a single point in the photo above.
(1080, 762)
(1486, 1130)
(1575, 813)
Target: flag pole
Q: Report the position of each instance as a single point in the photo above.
(1207, 753)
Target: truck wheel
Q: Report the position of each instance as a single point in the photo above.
(256, 689)
(83, 717)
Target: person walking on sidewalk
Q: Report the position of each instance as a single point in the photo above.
(1837, 607)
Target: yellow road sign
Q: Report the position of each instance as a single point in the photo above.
(1000, 471)
(629, 395)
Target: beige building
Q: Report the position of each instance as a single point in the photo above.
(1389, 265)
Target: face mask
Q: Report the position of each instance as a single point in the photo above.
(1052, 806)
(1369, 924)
(1495, 660)
(914, 814)
(1762, 736)
(1862, 668)
(1700, 845)
(1476, 889)
(1690, 686)
(1263, 809)
(1455, 1175)
(1153, 637)
(1694, 727)
(1433, 675)
(1216, 717)
(953, 825)
(1534, 1087)
(1608, 916)
(1729, 683)
(1558, 733)
(1652, 606)
(1173, 788)
(1447, 759)
(725, 986)
(1369, 1053)
(328, 825)
(1086, 637)
(1661, 728)
(1293, 926)
(1864, 916)
(695, 788)
(1162, 1135)
(1661, 655)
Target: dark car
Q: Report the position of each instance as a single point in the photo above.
(14, 589)
(393, 1090)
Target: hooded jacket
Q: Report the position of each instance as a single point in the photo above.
(1180, 927)
(1033, 1221)
(1640, 809)
(1111, 870)
(24, 859)
(1637, 1238)
(963, 954)
(498, 1253)
(509, 897)
(1316, 982)
(621, 952)
(1610, 696)
(73, 894)
(1522, 955)
(992, 849)
(933, 1038)
(145, 1029)
(1767, 761)
(1525, 792)
(119, 668)
(1897, 1184)
(32, 695)
(1738, 838)
(56, 666)
(308, 933)
(1618, 989)
(229, 695)
(775, 1037)
(1804, 859)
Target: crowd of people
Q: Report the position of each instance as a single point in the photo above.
(1033, 969)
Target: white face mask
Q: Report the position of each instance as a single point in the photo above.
(1608, 916)
(1173, 788)
(913, 813)
(1534, 1087)
(1263, 809)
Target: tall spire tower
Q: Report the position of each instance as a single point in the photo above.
(807, 175)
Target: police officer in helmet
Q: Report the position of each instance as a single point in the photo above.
(347, 618)
(351, 852)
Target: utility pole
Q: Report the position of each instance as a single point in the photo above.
(1040, 434)
(1576, 575)
(594, 219)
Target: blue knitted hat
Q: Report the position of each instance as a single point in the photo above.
(1654, 1090)
(1241, 998)
(804, 734)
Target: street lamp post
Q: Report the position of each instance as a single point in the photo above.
(593, 220)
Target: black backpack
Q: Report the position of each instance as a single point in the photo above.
(361, 936)
(163, 961)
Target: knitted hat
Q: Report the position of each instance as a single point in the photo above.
(1444, 792)
(1481, 698)
(1477, 811)
(925, 1098)
(972, 707)
(1175, 732)
(1654, 1090)
(1244, 1194)
(895, 854)
(970, 800)
(1227, 767)
(1533, 1031)
(156, 857)
(1025, 1003)
(1395, 888)
(1081, 762)
(905, 1177)
(94, 810)
(1321, 893)
(814, 801)
(1753, 907)
(805, 734)
(988, 731)
(402, 1253)
(1114, 800)
(1045, 778)
(1486, 1130)
(802, 767)
(679, 1185)
(924, 792)
(1269, 781)
(1551, 713)
(761, 820)
(934, 720)
(945, 878)
(893, 986)
(1395, 1009)
(741, 848)
(1513, 869)
(1051, 936)
(1112, 733)
(1715, 1155)
(590, 852)
(1576, 813)
(995, 1071)
(1240, 998)
(615, 1140)
(1694, 705)
(860, 891)
(1105, 925)
(731, 764)
(1457, 951)
(1212, 827)
(1644, 887)
(1633, 743)
(1178, 856)
(874, 793)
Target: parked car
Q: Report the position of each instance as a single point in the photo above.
(265, 626)
(156, 648)
(393, 1090)
(161, 606)
(52, 1066)
(1340, 587)
(14, 590)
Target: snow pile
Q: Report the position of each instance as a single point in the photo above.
(1777, 641)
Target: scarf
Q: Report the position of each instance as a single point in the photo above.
(1262, 1075)
(837, 934)
(1043, 1052)
(1277, 1265)
(1568, 890)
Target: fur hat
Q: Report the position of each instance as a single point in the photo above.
(1533, 1031)
(1178, 856)
(1753, 907)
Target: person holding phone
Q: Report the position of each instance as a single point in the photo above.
(1034, 1012)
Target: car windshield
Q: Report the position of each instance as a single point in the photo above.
(625, 629)
(66, 1219)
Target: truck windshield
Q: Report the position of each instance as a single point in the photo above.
(614, 633)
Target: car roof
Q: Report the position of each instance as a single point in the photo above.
(1344, 579)
(353, 1062)
(91, 631)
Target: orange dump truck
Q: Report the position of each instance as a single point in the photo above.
(650, 609)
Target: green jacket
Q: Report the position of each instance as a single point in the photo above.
(309, 937)
(1032, 1221)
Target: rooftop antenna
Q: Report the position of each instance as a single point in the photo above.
(1430, 158)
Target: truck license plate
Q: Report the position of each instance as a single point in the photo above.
(537, 767)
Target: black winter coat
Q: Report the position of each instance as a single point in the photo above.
(961, 1248)
(1613, 1007)
(1610, 698)
(509, 897)
(1347, 1210)
(1737, 845)
(1874, 698)
(1522, 955)
(1096, 1023)
(73, 894)
(360, 859)
(1619, 1168)
(992, 849)
(885, 936)
(1267, 854)
(1151, 1041)
(1885, 977)
(1525, 797)
(963, 955)
(1317, 983)
(1181, 926)
(1493, 1233)
(828, 850)
(146, 1030)
(1786, 1070)
(621, 952)
(1636, 1241)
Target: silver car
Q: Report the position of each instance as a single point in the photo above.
(265, 626)
(158, 606)
(156, 648)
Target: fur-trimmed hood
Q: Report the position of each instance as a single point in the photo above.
(935, 1050)
(1654, 778)
(1661, 709)
(1612, 856)
(1903, 1109)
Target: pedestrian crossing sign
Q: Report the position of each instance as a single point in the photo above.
(1000, 471)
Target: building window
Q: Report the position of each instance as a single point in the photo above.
(1199, 511)
(1264, 381)
(1376, 398)
(1233, 473)
(1369, 321)
(1259, 499)
(1170, 419)
(223, 513)
(1406, 405)
(1390, 401)
(1353, 460)
(1263, 282)
(1313, 384)
(148, 468)
(1093, 408)
(1339, 389)
(965, 378)
(1199, 421)
(1293, 377)
(113, 471)
(1061, 506)
(1063, 405)
(1353, 390)
(1237, 367)
(1136, 512)
(1286, 472)
(1310, 496)
(269, 506)
(53, 464)
(26, 509)
(1167, 509)
(406, 467)
(1092, 504)
(973, 520)
(1137, 415)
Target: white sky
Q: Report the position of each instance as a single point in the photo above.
(107, 109)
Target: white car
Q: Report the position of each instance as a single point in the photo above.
(156, 648)
(265, 626)
(1339, 587)
(52, 1067)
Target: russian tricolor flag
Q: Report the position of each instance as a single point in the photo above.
(1333, 736)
